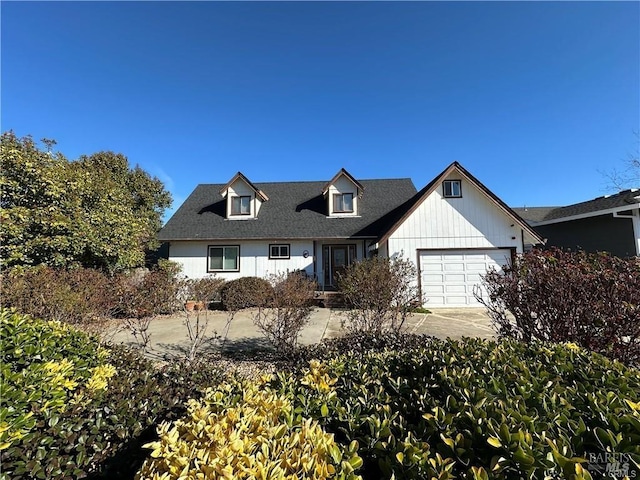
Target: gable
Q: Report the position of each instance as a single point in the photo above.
(463, 210)
(240, 189)
(470, 221)
(342, 198)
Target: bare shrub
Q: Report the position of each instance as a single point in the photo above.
(287, 310)
(144, 297)
(82, 297)
(380, 292)
(203, 291)
(592, 300)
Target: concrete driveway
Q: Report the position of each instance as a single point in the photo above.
(169, 334)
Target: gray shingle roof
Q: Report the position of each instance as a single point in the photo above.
(627, 198)
(533, 214)
(294, 210)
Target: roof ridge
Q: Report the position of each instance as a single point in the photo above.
(318, 181)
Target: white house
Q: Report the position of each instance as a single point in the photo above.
(454, 229)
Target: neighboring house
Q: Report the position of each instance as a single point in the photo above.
(610, 223)
(454, 229)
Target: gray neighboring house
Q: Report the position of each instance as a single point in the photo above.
(610, 223)
(454, 230)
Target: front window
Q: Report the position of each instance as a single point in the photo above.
(452, 188)
(224, 258)
(279, 251)
(241, 205)
(343, 203)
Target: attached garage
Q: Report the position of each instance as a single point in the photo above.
(448, 277)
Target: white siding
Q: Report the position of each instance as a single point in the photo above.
(472, 221)
(254, 258)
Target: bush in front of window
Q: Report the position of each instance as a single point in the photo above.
(245, 292)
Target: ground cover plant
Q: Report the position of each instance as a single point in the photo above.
(71, 408)
(561, 296)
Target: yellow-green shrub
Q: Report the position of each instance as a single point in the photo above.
(71, 409)
(247, 430)
(46, 366)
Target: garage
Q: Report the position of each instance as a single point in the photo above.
(448, 277)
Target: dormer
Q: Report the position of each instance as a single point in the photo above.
(244, 199)
(343, 194)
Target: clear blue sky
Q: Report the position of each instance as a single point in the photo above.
(534, 98)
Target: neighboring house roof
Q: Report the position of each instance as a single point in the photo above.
(533, 214)
(412, 205)
(625, 200)
(294, 210)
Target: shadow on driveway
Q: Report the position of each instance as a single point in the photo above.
(169, 335)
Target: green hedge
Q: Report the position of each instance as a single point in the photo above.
(469, 409)
(71, 408)
(478, 409)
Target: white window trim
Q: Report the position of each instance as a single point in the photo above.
(224, 247)
(279, 257)
(452, 184)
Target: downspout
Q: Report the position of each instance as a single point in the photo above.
(636, 229)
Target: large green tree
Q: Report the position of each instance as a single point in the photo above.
(96, 211)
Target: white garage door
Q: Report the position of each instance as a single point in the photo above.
(448, 277)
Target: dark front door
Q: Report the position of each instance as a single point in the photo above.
(337, 259)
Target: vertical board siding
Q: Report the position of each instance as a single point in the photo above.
(472, 221)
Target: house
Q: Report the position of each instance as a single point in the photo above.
(454, 229)
(610, 223)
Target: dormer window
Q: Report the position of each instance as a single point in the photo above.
(343, 194)
(452, 188)
(343, 202)
(241, 205)
(243, 198)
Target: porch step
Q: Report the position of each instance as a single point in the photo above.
(330, 299)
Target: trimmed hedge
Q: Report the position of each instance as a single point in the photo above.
(245, 292)
(478, 409)
(416, 408)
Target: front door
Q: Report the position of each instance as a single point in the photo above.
(337, 259)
